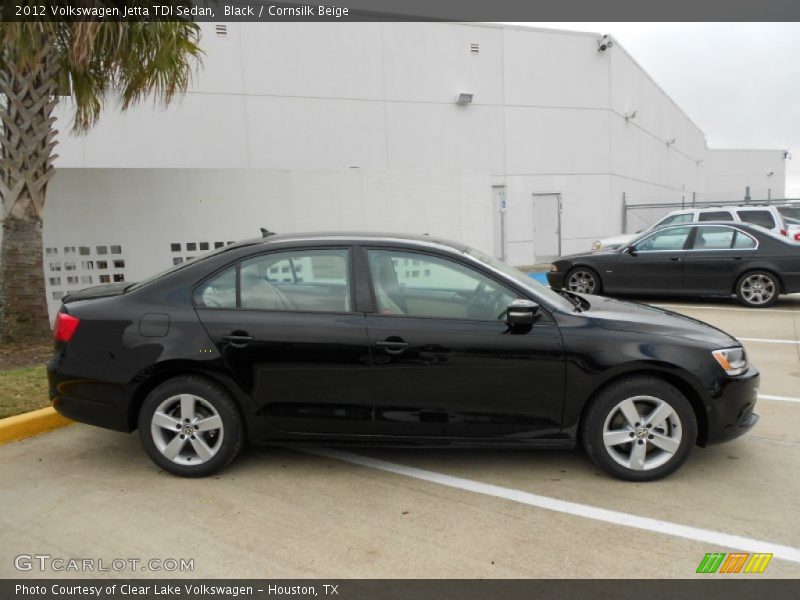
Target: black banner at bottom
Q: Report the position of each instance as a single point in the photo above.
(396, 589)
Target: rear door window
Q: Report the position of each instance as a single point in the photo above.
(717, 215)
(713, 238)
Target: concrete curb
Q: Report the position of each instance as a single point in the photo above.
(29, 424)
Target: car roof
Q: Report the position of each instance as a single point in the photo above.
(352, 237)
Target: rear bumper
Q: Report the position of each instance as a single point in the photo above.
(91, 401)
(730, 413)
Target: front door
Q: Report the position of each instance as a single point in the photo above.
(284, 323)
(446, 363)
(653, 265)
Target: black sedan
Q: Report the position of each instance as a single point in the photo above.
(370, 339)
(696, 259)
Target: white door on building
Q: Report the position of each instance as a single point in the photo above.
(547, 226)
(532, 229)
(499, 224)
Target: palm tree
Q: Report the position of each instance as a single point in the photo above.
(94, 61)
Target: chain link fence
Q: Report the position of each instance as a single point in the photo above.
(639, 214)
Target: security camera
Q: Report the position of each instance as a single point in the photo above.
(604, 43)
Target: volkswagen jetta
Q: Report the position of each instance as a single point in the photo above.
(385, 339)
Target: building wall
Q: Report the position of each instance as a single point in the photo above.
(731, 172)
(146, 211)
(548, 116)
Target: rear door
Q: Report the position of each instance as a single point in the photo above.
(285, 324)
(715, 258)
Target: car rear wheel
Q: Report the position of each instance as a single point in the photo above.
(583, 280)
(639, 429)
(190, 427)
(758, 289)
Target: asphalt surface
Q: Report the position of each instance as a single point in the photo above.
(82, 492)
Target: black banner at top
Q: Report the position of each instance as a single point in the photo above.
(402, 10)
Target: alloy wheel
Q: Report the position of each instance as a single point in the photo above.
(758, 289)
(582, 282)
(187, 429)
(642, 433)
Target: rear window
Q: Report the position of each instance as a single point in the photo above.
(762, 218)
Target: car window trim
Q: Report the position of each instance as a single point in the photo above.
(692, 225)
(349, 248)
(469, 265)
(731, 227)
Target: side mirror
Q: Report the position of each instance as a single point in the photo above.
(631, 250)
(522, 312)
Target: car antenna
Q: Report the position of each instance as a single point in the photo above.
(266, 232)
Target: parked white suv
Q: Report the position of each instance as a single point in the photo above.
(768, 217)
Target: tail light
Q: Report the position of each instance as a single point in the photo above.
(65, 327)
(797, 236)
(784, 232)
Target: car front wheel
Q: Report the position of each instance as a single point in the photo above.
(639, 429)
(583, 280)
(190, 427)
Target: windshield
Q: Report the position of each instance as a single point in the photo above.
(523, 279)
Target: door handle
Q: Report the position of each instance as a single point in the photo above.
(393, 345)
(238, 339)
(676, 258)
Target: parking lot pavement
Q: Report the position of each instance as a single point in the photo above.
(85, 492)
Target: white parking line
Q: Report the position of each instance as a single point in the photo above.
(766, 341)
(706, 536)
(779, 398)
(754, 311)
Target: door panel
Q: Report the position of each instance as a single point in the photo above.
(471, 379)
(655, 265)
(715, 258)
(306, 372)
(446, 363)
(281, 321)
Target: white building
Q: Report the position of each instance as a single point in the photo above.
(309, 126)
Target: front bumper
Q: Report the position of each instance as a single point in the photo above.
(556, 279)
(730, 412)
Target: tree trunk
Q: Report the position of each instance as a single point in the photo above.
(22, 281)
(27, 139)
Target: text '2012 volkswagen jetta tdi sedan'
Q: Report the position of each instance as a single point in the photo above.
(382, 339)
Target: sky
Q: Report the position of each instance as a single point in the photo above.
(739, 82)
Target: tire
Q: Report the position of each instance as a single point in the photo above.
(758, 289)
(208, 428)
(605, 429)
(583, 280)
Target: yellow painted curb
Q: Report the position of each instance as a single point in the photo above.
(29, 424)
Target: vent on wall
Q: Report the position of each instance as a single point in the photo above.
(475, 48)
(222, 30)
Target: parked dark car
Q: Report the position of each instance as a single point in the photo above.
(371, 339)
(695, 259)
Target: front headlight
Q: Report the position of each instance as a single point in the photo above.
(553, 268)
(597, 245)
(732, 360)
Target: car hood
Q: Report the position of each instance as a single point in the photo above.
(621, 315)
(617, 240)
